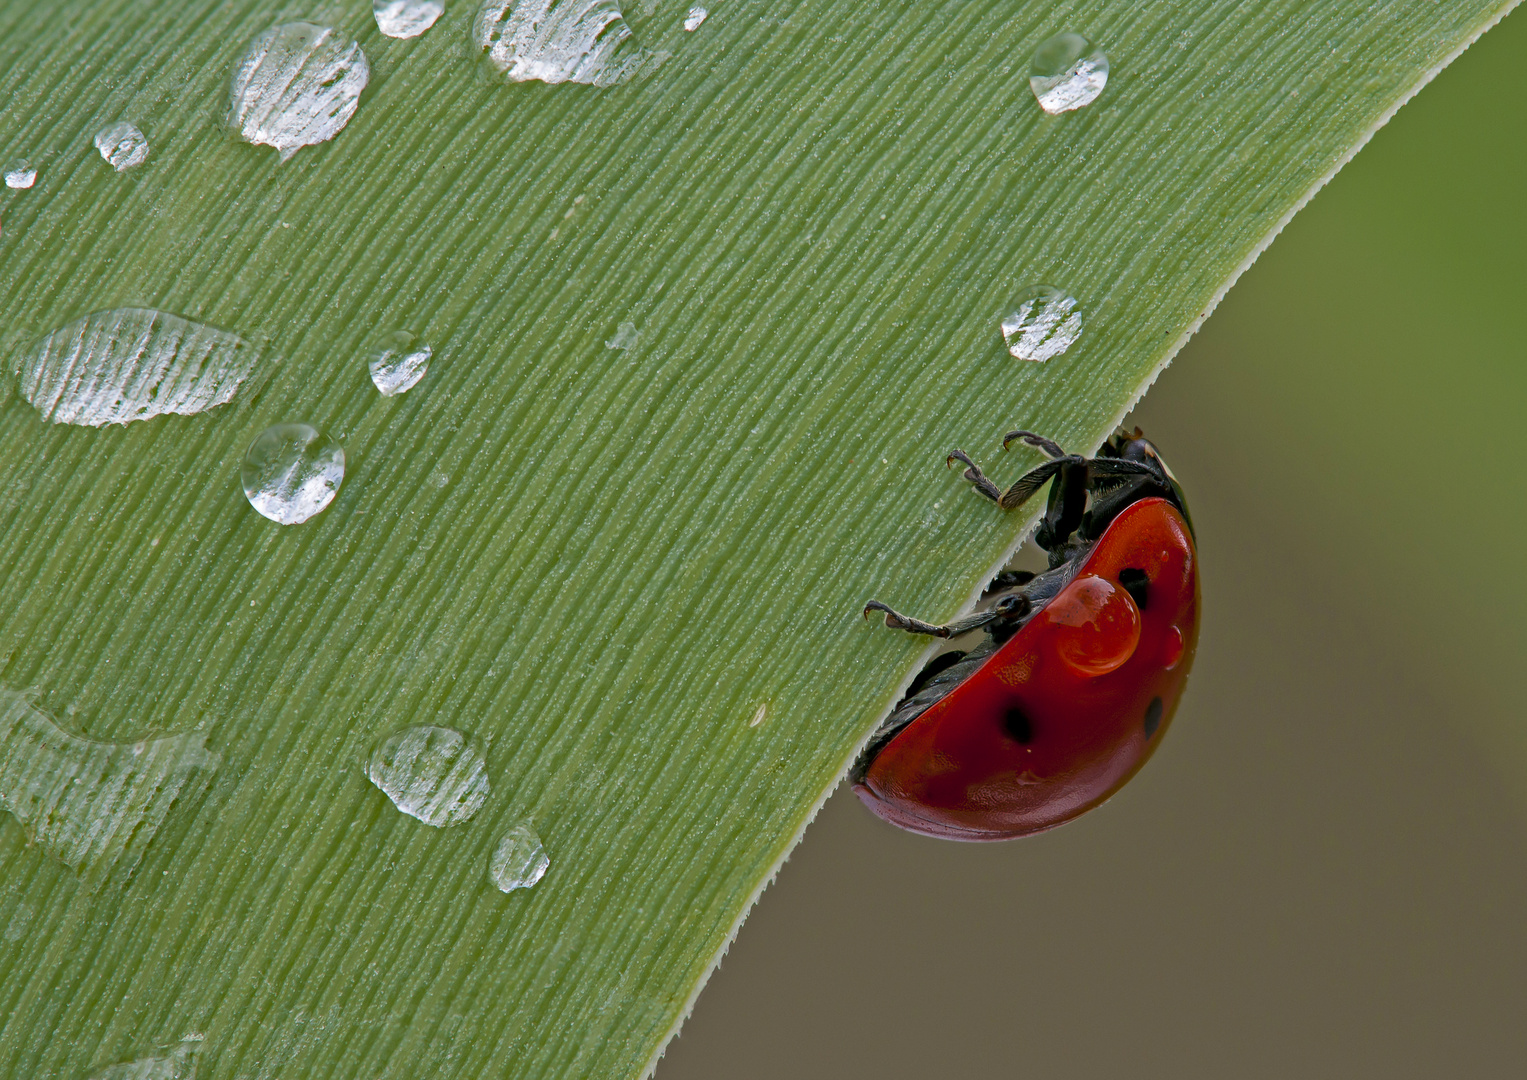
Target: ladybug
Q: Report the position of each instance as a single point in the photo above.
(1077, 670)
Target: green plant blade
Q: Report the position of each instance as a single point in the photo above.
(602, 553)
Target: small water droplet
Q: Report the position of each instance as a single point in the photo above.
(292, 471)
(19, 175)
(1067, 72)
(397, 364)
(406, 18)
(296, 85)
(20, 922)
(126, 364)
(696, 16)
(94, 806)
(179, 1064)
(556, 41)
(760, 716)
(627, 336)
(435, 774)
(122, 145)
(1045, 324)
(520, 860)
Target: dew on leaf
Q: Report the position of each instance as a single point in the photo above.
(122, 145)
(435, 774)
(1044, 324)
(406, 18)
(291, 472)
(1067, 72)
(519, 860)
(397, 362)
(296, 85)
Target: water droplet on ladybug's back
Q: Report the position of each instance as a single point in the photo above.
(1095, 625)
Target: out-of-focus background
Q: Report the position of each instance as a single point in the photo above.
(1323, 872)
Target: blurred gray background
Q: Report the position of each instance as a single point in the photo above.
(1322, 872)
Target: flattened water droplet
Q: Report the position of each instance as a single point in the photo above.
(178, 1064)
(1067, 72)
(435, 774)
(94, 806)
(296, 85)
(398, 362)
(520, 860)
(627, 336)
(122, 145)
(113, 367)
(1045, 325)
(19, 175)
(555, 41)
(696, 16)
(406, 18)
(292, 471)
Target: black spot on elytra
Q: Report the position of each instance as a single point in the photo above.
(941, 662)
(1018, 725)
(1152, 717)
(1137, 583)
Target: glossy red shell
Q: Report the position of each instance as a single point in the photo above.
(1078, 680)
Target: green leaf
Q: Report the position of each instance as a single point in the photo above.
(601, 564)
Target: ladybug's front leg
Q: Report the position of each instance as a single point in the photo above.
(897, 621)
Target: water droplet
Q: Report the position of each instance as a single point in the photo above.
(1045, 325)
(1095, 627)
(122, 145)
(19, 175)
(296, 85)
(520, 860)
(435, 774)
(627, 336)
(760, 716)
(178, 1064)
(1067, 72)
(113, 367)
(396, 365)
(696, 16)
(292, 471)
(555, 41)
(20, 922)
(406, 18)
(94, 806)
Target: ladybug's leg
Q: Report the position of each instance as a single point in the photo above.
(897, 621)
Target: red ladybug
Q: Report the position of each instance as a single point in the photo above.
(1077, 671)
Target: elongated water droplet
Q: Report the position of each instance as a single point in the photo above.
(435, 774)
(520, 859)
(94, 806)
(406, 18)
(113, 367)
(397, 362)
(19, 175)
(555, 41)
(122, 145)
(696, 16)
(1068, 72)
(1045, 324)
(292, 471)
(627, 336)
(178, 1064)
(296, 85)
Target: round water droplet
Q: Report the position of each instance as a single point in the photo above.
(1096, 626)
(520, 860)
(397, 362)
(19, 175)
(122, 145)
(406, 18)
(296, 85)
(435, 774)
(1045, 324)
(696, 16)
(1067, 72)
(292, 471)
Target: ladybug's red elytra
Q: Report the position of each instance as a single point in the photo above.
(1077, 671)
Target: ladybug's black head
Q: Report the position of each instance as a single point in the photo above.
(1134, 446)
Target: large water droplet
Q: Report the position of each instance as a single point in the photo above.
(696, 16)
(122, 145)
(1067, 72)
(94, 806)
(1045, 325)
(113, 367)
(178, 1064)
(19, 175)
(397, 362)
(296, 85)
(520, 860)
(292, 471)
(406, 18)
(435, 774)
(1094, 627)
(555, 41)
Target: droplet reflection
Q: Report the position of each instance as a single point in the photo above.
(520, 859)
(1045, 324)
(1067, 72)
(291, 472)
